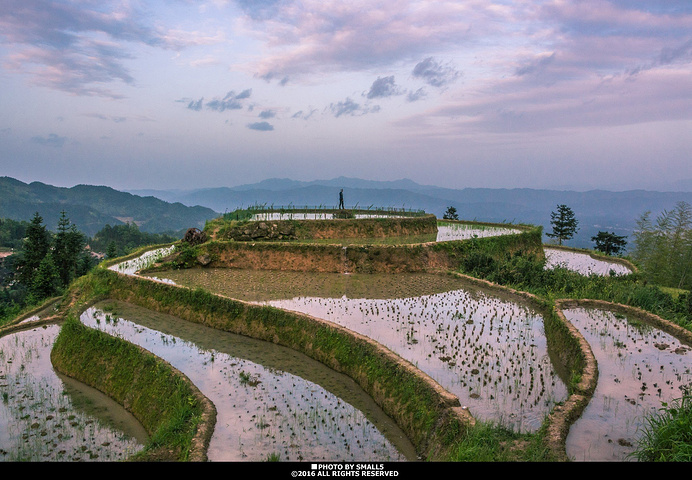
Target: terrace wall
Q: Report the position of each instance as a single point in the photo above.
(268, 230)
(295, 256)
(430, 416)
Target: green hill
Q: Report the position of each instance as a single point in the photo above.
(90, 208)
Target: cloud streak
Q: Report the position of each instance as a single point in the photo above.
(350, 108)
(261, 126)
(315, 36)
(51, 140)
(230, 101)
(384, 87)
(434, 73)
(78, 47)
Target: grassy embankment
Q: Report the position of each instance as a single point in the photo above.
(224, 251)
(433, 425)
(431, 419)
(177, 417)
(666, 436)
(426, 412)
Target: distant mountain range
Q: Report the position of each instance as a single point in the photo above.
(90, 208)
(596, 210)
(173, 211)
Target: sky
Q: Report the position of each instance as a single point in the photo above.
(186, 94)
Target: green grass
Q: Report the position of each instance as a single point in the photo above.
(667, 435)
(162, 401)
(487, 442)
(527, 272)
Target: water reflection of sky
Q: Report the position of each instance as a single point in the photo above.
(460, 231)
(582, 263)
(260, 411)
(639, 368)
(491, 353)
(38, 420)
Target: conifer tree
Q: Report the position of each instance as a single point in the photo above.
(451, 214)
(564, 223)
(67, 246)
(35, 247)
(45, 281)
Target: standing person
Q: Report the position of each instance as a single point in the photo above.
(341, 199)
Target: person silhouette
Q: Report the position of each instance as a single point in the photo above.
(341, 199)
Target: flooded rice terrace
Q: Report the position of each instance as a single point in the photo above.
(640, 368)
(271, 401)
(490, 352)
(461, 231)
(274, 402)
(47, 417)
(582, 263)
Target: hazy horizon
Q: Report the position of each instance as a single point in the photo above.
(546, 94)
(399, 183)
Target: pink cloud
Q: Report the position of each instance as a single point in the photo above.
(313, 36)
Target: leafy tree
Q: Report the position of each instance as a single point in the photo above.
(35, 247)
(564, 223)
(609, 243)
(125, 238)
(12, 232)
(451, 214)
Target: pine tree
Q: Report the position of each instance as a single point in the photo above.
(112, 250)
(35, 247)
(564, 223)
(45, 281)
(67, 246)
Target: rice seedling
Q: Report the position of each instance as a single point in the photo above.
(463, 339)
(40, 417)
(260, 411)
(640, 369)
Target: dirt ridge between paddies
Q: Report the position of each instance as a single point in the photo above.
(62, 311)
(576, 358)
(429, 415)
(355, 258)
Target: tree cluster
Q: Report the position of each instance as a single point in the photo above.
(119, 240)
(12, 233)
(609, 243)
(663, 246)
(47, 262)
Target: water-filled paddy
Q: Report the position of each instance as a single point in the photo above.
(490, 352)
(270, 400)
(640, 368)
(582, 263)
(462, 231)
(47, 417)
